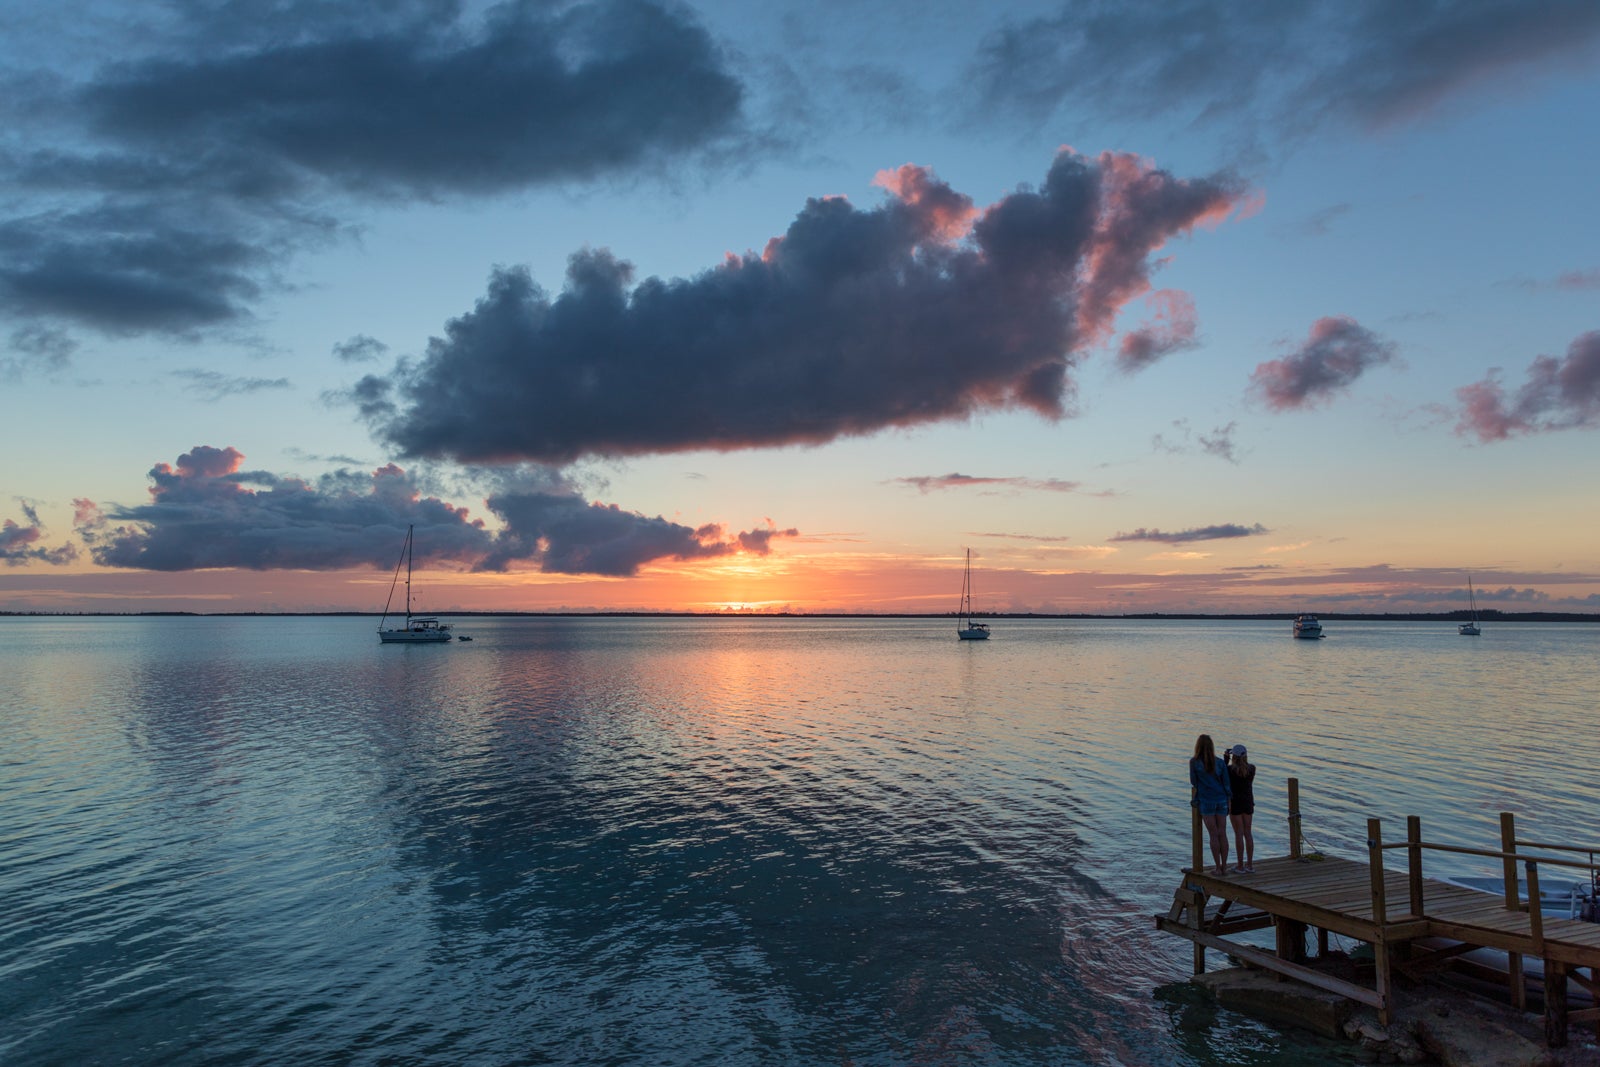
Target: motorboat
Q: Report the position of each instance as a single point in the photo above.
(1307, 626)
(1559, 898)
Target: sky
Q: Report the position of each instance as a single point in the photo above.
(1181, 306)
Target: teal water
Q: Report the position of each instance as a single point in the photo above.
(718, 841)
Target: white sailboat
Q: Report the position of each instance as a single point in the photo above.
(966, 629)
(417, 630)
(1470, 629)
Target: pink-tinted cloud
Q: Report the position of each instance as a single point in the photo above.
(921, 309)
(947, 214)
(206, 512)
(1142, 208)
(1172, 329)
(1560, 394)
(19, 544)
(1338, 352)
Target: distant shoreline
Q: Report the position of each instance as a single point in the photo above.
(1268, 616)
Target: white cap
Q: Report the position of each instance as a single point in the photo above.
(1238, 750)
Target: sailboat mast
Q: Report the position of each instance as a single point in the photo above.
(409, 531)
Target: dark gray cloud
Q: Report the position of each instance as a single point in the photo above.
(128, 269)
(921, 309)
(1338, 351)
(19, 542)
(1276, 66)
(36, 347)
(206, 511)
(1559, 394)
(159, 193)
(1198, 533)
(926, 483)
(536, 94)
(360, 349)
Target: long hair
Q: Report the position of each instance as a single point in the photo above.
(1206, 753)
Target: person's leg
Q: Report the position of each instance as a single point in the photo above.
(1217, 829)
(1247, 850)
(1238, 840)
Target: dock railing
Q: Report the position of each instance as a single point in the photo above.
(1509, 856)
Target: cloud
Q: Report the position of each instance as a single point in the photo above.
(214, 385)
(1319, 223)
(927, 483)
(1039, 539)
(534, 95)
(19, 544)
(206, 512)
(1570, 281)
(1559, 394)
(1284, 66)
(1171, 330)
(360, 349)
(36, 347)
(1199, 533)
(132, 267)
(161, 192)
(1338, 352)
(1219, 442)
(851, 322)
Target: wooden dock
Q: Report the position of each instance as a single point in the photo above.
(1415, 925)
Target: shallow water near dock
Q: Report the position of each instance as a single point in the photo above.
(706, 841)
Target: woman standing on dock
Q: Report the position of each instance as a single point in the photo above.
(1212, 791)
(1242, 808)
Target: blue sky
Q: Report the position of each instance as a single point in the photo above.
(1179, 306)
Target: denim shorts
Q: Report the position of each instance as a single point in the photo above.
(1213, 807)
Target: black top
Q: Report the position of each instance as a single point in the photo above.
(1244, 792)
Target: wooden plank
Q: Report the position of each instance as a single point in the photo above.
(1270, 962)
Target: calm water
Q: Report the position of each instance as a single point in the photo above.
(730, 841)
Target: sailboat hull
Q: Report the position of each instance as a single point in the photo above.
(973, 633)
(414, 637)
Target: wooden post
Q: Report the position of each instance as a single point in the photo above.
(1508, 845)
(1290, 939)
(1380, 942)
(1555, 1004)
(1294, 818)
(1535, 912)
(1196, 919)
(1197, 857)
(1414, 862)
(1375, 861)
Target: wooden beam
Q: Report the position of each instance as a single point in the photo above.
(1268, 961)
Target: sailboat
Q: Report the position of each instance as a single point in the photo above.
(1470, 629)
(417, 630)
(966, 629)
